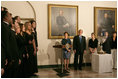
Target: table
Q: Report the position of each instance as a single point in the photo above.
(102, 63)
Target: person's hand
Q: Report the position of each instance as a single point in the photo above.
(113, 26)
(63, 46)
(90, 50)
(23, 55)
(34, 52)
(69, 50)
(94, 50)
(2, 71)
(30, 42)
(84, 51)
(37, 49)
(19, 61)
(27, 55)
(74, 51)
(70, 46)
(6, 62)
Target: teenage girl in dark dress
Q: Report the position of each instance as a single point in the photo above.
(33, 23)
(31, 47)
(21, 42)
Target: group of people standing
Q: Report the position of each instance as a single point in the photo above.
(109, 46)
(18, 46)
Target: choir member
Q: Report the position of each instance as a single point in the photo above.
(9, 40)
(33, 23)
(17, 18)
(31, 47)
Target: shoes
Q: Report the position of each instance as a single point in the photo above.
(80, 68)
(34, 75)
(75, 68)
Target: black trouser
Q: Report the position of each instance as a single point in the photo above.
(76, 65)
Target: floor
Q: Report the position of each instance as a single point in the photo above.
(85, 73)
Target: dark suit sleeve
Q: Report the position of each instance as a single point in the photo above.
(106, 46)
(84, 43)
(36, 39)
(110, 42)
(89, 43)
(5, 34)
(74, 43)
(3, 55)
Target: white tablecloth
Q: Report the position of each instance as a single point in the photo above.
(102, 63)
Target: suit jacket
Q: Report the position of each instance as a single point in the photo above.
(9, 41)
(5, 36)
(79, 47)
(106, 45)
(14, 47)
(3, 55)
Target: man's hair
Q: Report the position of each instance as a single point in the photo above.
(92, 33)
(16, 17)
(80, 30)
(3, 14)
(4, 8)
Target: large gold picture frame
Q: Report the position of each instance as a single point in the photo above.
(105, 20)
(26, 20)
(62, 18)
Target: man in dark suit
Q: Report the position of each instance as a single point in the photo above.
(106, 43)
(5, 35)
(79, 47)
(10, 46)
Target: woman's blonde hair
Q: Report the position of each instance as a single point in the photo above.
(26, 26)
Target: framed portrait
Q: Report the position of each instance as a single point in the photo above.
(23, 20)
(105, 20)
(62, 18)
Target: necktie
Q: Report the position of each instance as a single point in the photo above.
(80, 39)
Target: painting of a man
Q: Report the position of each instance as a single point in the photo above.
(62, 23)
(63, 19)
(105, 22)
